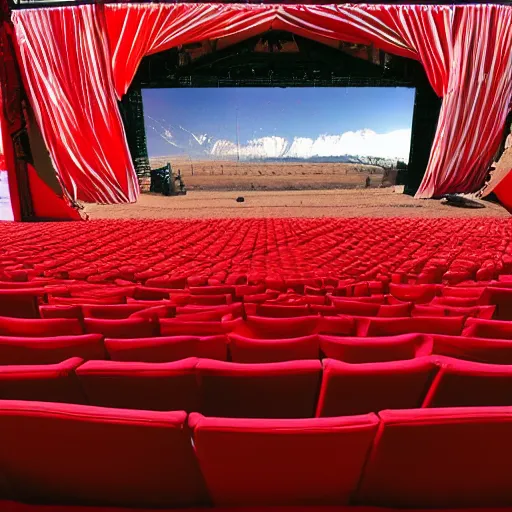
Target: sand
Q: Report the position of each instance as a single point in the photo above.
(306, 203)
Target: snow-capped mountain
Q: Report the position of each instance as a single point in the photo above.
(360, 146)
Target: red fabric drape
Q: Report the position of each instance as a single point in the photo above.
(466, 51)
(67, 71)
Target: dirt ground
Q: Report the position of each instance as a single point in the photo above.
(227, 175)
(388, 202)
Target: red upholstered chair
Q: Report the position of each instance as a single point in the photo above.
(20, 303)
(40, 327)
(282, 311)
(372, 350)
(485, 312)
(111, 311)
(370, 387)
(168, 348)
(76, 454)
(50, 350)
(355, 308)
(463, 383)
(396, 326)
(148, 386)
(501, 298)
(274, 328)
(282, 462)
(457, 302)
(45, 383)
(342, 325)
(250, 350)
(395, 310)
(440, 458)
(419, 294)
(124, 328)
(480, 328)
(483, 350)
(56, 311)
(272, 390)
(178, 327)
(462, 292)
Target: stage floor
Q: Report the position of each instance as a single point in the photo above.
(285, 204)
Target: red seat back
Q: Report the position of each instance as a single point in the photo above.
(40, 327)
(273, 328)
(15, 350)
(282, 462)
(124, 328)
(168, 348)
(362, 388)
(464, 383)
(75, 454)
(272, 390)
(146, 386)
(371, 350)
(440, 458)
(249, 350)
(396, 326)
(44, 383)
(480, 328)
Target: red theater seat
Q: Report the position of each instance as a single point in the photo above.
(419, 294)
(464, 383)
(250, 350)
(440, 458)
(166, 349)
(56, 311)
(274, 328)
(501, 298)
(481, 350)
(40, 327)
(349, 389)
(372, 350)
(394, 326)
(124, 328)
(75, 454)
(282, 462)
(148, 386)
(45, 383)
(111, 311)
(50, 350)
(282, 311)
(21, 303)
(178, 327)
(480, 328)
(272, 390)
(485, 312)
(355, 308)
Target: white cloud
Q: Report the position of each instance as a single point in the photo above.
(390, 145)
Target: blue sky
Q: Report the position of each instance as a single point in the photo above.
(272, 112)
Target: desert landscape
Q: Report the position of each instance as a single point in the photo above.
(225, 175)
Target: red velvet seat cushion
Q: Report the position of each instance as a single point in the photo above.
(371, 350)
(282, 462)
(45, 383)
(167, 348)
(147, 386)
(440, 458)
(465, 384)
(271, 390)
(370, 387)
(250, 350)
(76, 454)
(15, 350)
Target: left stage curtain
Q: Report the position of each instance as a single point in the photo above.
(67, 73)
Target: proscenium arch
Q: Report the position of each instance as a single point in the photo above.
(326, 66)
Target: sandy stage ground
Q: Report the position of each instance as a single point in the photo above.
(306, 203)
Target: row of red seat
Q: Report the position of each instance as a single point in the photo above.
(56, 453)
(256, 326)
(293, 389)
(240, 349)
(218, 251)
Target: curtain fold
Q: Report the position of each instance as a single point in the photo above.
(67, 72)
(77, 59)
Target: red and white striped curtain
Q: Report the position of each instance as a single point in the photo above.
(466, 52)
